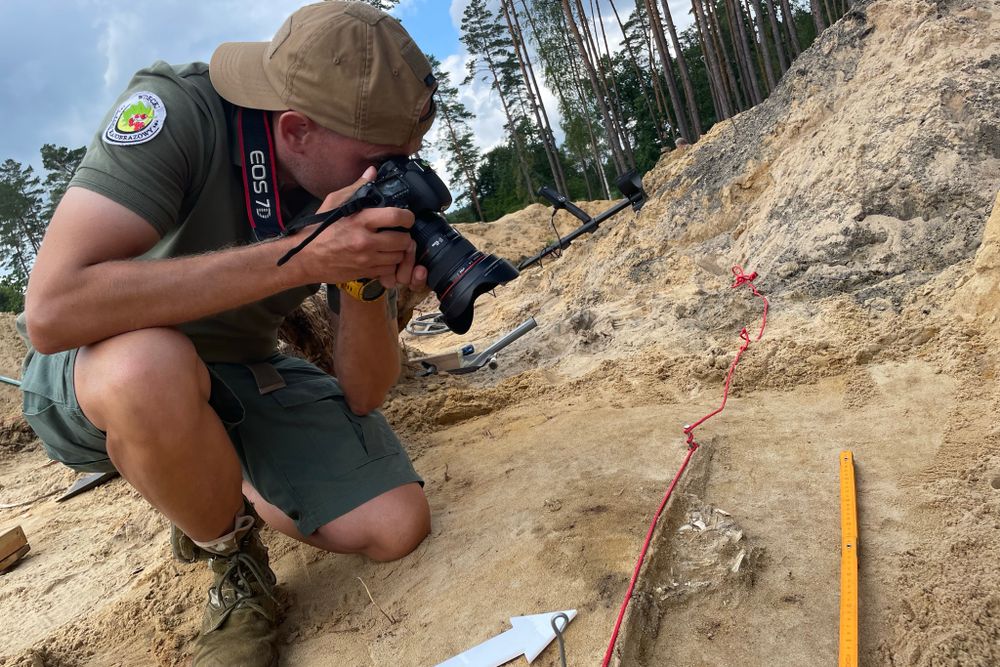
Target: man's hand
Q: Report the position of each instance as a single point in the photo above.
(362, 245)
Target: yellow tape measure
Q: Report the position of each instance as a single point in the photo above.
(848, 563)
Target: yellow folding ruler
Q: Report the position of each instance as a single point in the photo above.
(848, 563)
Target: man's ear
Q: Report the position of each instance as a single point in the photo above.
(292, 129)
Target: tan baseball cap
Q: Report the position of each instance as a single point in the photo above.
(348, 66)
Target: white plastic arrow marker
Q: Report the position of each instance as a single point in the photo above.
(528, 637)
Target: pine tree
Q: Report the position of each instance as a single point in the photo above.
(534, 93)
(580, 120)
(384, 5)
(454, 137)
(599, 95)
(491, 59)
(22, 224)
(60, 163)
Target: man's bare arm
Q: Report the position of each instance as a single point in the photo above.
(86, 286)
(367, 355)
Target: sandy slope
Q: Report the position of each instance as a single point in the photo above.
(862, 192)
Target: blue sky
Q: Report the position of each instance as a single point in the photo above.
(64, 62)
(430, 24)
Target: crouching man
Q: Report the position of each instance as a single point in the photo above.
(153, 308)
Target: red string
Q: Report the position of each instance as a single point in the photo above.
(740, 279)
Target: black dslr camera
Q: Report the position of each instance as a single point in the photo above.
(456, 271)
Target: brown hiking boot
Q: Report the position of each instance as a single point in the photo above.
(239, 628)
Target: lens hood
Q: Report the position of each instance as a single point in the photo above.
(482, 275)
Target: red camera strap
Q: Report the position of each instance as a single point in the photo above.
(260, 184)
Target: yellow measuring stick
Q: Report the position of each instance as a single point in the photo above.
(848, 563)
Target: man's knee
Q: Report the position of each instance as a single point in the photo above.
(391, 528)
(400, 540)
(154, 375)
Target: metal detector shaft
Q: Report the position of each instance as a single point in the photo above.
(522, 329)
(467, 360)
(561, 201)
(590, 225)
(16, 383)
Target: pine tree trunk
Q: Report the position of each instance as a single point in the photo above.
(25, 271)
(550, 135)
(719, 101)
(633, 57)
(35, 243)
(594, 144)
(534, 103)
(620, 110)
(724, 71)
(661, 99)
(817, 16)
(668, 71)
(719, 42)
(782, 59)
(456, 151)
(743, 50)
(741, 82)
(829, 13)
(747, 52)
(586, 178)
(614, 109)
(793, 37)
(759, 62)
(692, 103)
(762, 43)
(518, 145)
(616, 150)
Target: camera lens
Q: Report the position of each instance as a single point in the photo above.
(456, 271)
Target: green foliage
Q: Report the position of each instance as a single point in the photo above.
(60, 163)
(501, 189)
(26, 205)
(454, 138)
(384, 5)
(21, 224)
(11, 297)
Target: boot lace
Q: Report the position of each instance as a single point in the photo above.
(241, 575)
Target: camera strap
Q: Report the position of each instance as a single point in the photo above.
(260, 184)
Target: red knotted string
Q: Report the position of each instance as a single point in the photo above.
(740, 279)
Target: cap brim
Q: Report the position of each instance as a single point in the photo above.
(237, 72)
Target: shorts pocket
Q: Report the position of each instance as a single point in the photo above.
(369, 429)
(309, 391)
(67, 436)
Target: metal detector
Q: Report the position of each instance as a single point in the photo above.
(630, 185)
(466, 360)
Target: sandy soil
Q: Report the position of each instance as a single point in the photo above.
(865, 192)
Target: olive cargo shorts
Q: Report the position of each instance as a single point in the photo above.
(300, 445)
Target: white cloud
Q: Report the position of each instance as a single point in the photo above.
(456, 10)
(114, 44)
(78, 55)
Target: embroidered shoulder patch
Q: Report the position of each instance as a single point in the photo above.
(138, 119)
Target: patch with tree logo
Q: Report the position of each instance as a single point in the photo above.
(137, 120)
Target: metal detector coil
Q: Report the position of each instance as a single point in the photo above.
(467, 360)
(429, 324)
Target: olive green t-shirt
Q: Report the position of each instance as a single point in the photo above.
(181, 172)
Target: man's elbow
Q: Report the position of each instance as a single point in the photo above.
(364, 405)
(45, 330)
